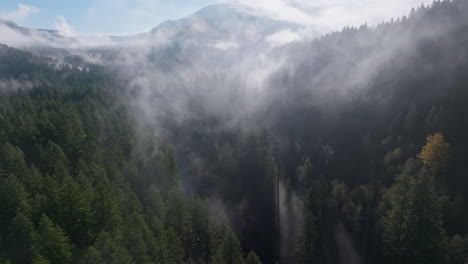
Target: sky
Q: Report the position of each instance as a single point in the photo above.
(123, 17)
(98, 16)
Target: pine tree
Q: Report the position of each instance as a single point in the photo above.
(108, 249)
(458, 250)
(394, 223)
(54, 161)
(154, 202)
(426, 238)
(106, 208)
(54, 244)
(138, 239)
(252, 258)
(412, 227)
(14, 198)
(22, 239)
(229, 252)
(170, 167)
(74, 211)
(12, 161)
(309, 234)
(176, 215)
(199, 237)
(40, 260)
(171, 251)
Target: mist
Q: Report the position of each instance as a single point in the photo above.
(276, 80)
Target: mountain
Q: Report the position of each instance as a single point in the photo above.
(14, 35)
(222, 27)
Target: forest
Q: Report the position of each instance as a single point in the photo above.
(357, 153)
(77, 187)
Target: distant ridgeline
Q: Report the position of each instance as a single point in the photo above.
(78, 186)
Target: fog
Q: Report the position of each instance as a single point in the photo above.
(239, 63)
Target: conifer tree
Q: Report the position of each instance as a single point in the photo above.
(22, 239)
(252, 258)
(55, 245)
(229, 252)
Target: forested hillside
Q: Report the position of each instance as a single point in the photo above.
(77, 186)
(353, 150)
(335, 147)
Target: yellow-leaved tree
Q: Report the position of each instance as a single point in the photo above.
(435, 154)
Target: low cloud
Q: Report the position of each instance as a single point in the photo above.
(62, 25)
(225, 45)
(21, 13)
(330, 15)
(283, 37)
(8, 85)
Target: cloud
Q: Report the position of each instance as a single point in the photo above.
(7, 85)
(278, 10)
(329, 15)
(283, 37)
(62, 25)
(140, 15)
(21, 13)
(225, 45)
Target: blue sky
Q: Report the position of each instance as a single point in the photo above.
(135, 16)
(98, 16)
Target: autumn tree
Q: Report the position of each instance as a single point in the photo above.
(435, 154)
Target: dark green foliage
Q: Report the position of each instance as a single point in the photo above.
(78, 186)
(107, 249)
(308, 241)
(229, 252)
(170, 251)
(22, 239)
(176, 214)
(412, 228)
(458, 250)
(154, 203)
(54, 244)
(252, 258)
(14, 198)
(114, 193)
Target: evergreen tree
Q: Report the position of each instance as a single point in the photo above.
(171, 251)
(40, 260)
(138, 239)
(412, 227)
(14, 198)
(458, 250)
(154, 202)
(306, 251)
(74, 211)
(176, 216)
(12, 161)
(22, 239)
(199, 236)
(54, 161)
(229, 252)
(54, 244)
(252, 258)
(108, 249)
